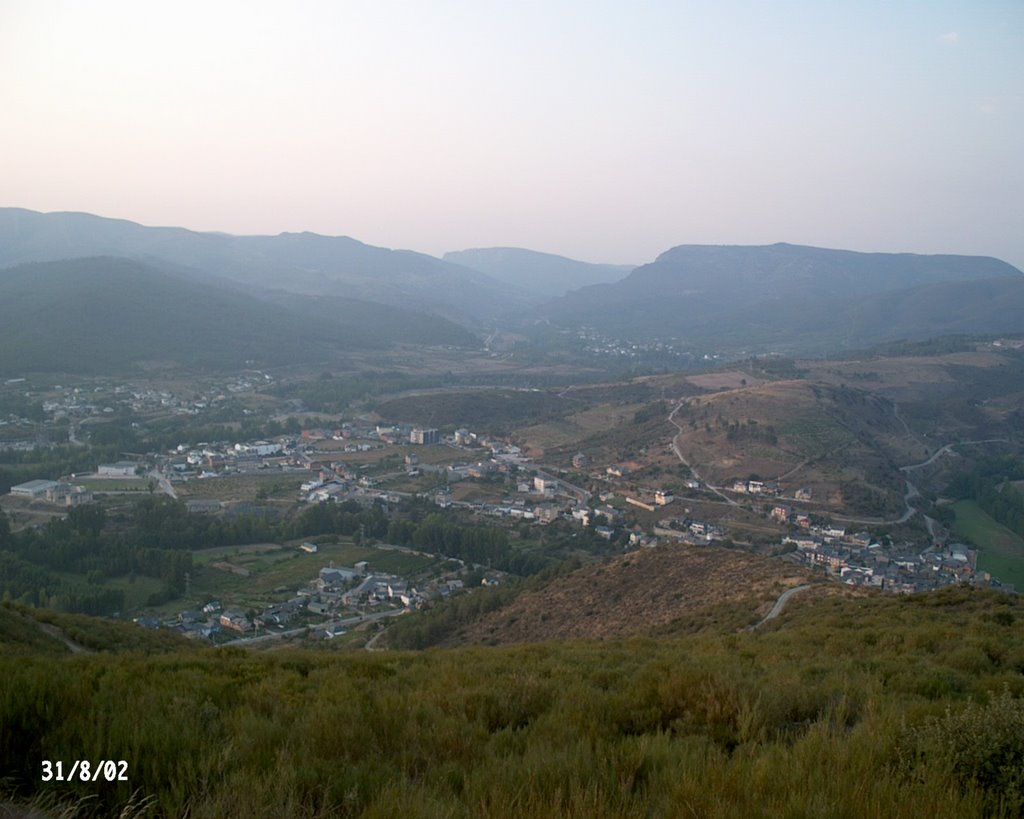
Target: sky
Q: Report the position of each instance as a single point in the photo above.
(603, 131)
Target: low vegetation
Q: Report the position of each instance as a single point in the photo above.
(841, 708)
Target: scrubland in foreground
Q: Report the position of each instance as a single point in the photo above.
(885, 707)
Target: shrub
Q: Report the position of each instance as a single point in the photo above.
(981, 746)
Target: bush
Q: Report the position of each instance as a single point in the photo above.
(981, 746)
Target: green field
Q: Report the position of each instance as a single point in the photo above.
(1001, 552)
(136, 590)
(245, 487)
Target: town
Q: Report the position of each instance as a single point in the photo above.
(373, 462)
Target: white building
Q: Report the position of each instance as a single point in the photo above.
(33, 490)
(121, 469)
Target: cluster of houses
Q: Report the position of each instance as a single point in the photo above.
(753, 486)
(337, 594)
(82, 402)
(596, 343)
(857, 560)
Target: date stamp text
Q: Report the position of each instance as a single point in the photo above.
(82, 770)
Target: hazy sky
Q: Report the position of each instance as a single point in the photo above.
(602, 131)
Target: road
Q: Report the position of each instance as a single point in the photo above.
(780, 604)
(165, 485)
(686, 463)
(910, 492)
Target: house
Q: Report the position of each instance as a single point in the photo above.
(663, 497)
(545, 484)
(236, 620)
(67, 495)
(331, 577)
(396, 588)
(121, 469)
(780, 513)
(637, 502)
(309, 548)
(424, 436)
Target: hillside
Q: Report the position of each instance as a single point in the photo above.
(799, 299)
(883, 707)
(668, 589)
(28, 631)
(93, 315)
(543, 274)
(838, 441)
(305, 263)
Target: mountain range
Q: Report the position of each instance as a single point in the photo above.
(729, 300)
(304, 263)
(799, 299)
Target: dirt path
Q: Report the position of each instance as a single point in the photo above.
(686, 463)
(780, 604)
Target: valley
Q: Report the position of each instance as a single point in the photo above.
(305, 493)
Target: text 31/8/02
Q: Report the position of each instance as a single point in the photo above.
(106, 770)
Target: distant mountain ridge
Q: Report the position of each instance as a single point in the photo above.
(542, 273)
(725, 300)
(97, 314)
(305, 263)
(798, 299)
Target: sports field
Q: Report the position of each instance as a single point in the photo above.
(1000, 551)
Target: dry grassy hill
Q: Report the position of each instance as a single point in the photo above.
(666, 589)
(838, 441)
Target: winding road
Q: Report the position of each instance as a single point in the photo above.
(910, 493)
(780, 604)
(686, 463)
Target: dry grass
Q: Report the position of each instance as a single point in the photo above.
(640, 592)
(576, 428)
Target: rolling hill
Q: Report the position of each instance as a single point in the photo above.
(91, 315)
(796, 299)
(305, 263)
